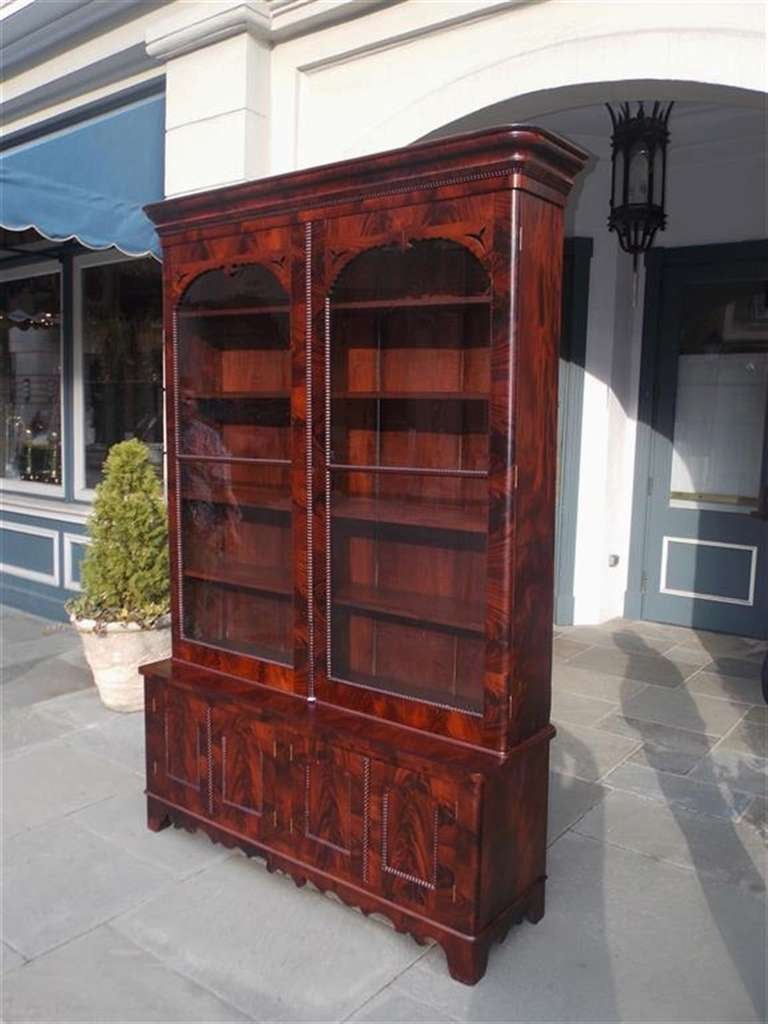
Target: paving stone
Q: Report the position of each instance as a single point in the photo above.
(120, 739)
(53, 779)
(564, 648)
(685, 710)
(648, 668)
(743, 772)
(619, 638)
(594, 684)
(26, 727)
(104, 977)
(713, 645)
(747, 738)
(741, 667)
(123, 820)
(42, 679)
(694, 796)
(718, 850)
(78, 709)
(274, 952)
(664, 747)
(394, 1006)
(10, 958)
(756, 816)
(624, 938)
(61, 880)
(736, 689)
(691, 655)
(576, 709)
(588, 753)
(569, 798)
(758, 715)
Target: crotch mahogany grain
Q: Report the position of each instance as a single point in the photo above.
(362, 404)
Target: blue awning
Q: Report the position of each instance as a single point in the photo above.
(90, 181)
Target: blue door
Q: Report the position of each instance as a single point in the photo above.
(706, 524)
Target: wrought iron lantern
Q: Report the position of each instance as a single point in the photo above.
(638, 174)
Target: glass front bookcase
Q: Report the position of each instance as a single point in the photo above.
(233, 471)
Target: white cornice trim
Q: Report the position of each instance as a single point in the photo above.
(212, 23)
(270, 21)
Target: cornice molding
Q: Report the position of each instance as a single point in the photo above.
(207, 23)
(269, 21)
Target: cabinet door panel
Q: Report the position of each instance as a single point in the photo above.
(178, 748)
(423, 850)
(246, 793)
(330, 809)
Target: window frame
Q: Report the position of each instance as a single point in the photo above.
(82, 262)
(43, 268)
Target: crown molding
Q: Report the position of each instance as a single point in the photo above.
(202, 24)
(269, 21)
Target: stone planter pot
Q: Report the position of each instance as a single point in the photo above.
(114, 653)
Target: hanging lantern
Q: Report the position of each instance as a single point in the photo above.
(638, 174)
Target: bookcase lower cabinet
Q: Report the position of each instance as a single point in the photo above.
(413, 836)
(361, 407)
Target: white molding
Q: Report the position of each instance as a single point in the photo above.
(696, 595)
(68, 540)
(207, 23)
(28, 486)
(59, 511)
(53, 579)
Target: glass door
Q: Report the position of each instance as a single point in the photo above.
(408, 385)
(233, 454)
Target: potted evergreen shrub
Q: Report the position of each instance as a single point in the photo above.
(122, 613)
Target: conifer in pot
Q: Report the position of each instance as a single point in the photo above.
(122, 611)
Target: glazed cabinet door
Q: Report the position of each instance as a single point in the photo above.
(233, 452)
(178, 744)
(407, 334)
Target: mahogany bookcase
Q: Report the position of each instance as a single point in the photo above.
(362, 372)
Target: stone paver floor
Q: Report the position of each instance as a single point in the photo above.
(657, 863)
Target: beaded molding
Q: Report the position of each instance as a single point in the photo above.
(424, 883)
(308, 441)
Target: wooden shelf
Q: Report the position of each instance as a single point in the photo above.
(414, 302)
(234, 574)
(411, 513)
(425, 609)
(236, 495)
(398, 688)
(417, 396)
(280, 655)
(238, 396)
(191, 311)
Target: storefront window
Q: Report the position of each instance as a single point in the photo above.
(30, 380)
(122, 360)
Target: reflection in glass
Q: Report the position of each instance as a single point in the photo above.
(122, 335)
(722, 389)
(409, 377)
(30, 379)
(233, 456)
